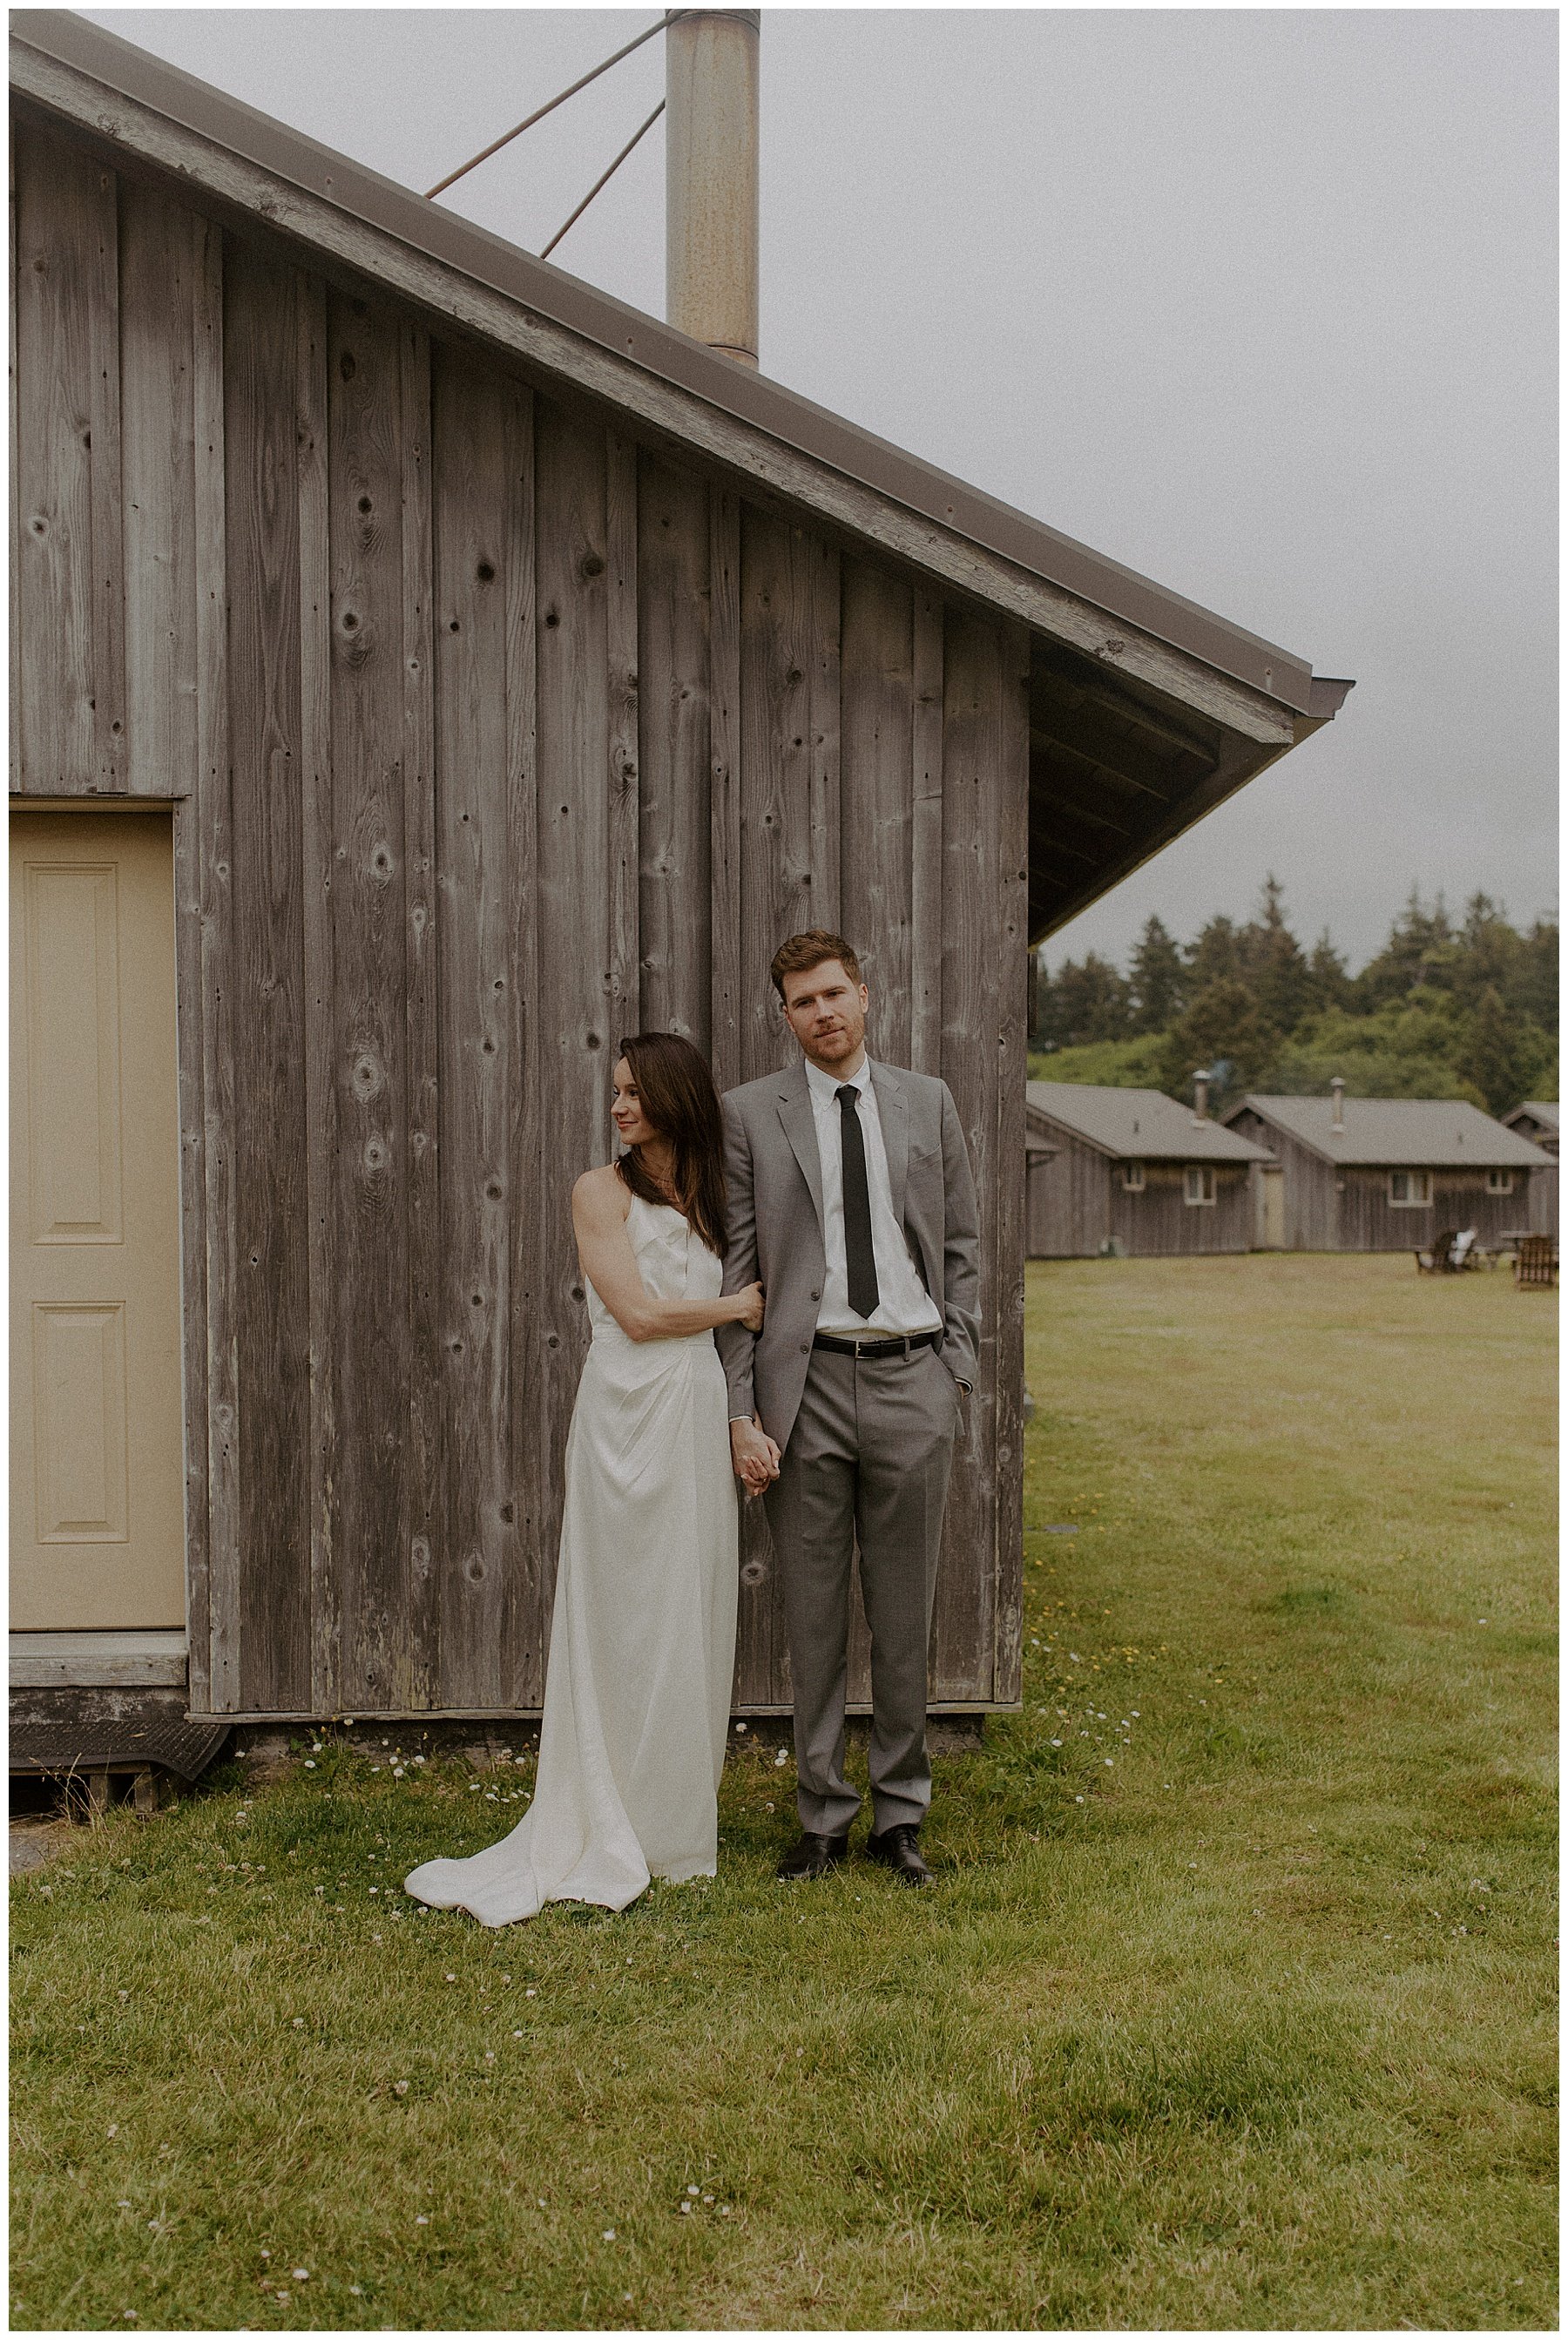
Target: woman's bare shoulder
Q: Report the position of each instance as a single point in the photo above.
(602, 1196)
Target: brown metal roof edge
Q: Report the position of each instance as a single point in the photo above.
(748, 397)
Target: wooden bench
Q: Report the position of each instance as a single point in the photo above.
(1535, 1263)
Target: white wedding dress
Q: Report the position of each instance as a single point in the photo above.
(642, 1639)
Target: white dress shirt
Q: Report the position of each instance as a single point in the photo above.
(903, 1304)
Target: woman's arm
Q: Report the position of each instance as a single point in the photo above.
(599, 1205)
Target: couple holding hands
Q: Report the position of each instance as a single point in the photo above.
(782, 1289)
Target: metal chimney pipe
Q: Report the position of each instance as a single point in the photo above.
(1337, 1087)
(711, 237)
(1200, 1095)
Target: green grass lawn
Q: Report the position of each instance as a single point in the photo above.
(1233, 2007)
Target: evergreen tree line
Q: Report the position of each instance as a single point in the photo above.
(1447, 1008)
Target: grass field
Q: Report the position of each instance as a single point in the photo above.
(1233, 2007)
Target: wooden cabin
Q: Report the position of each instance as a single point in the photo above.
(1539, 1122)
(1131, 1170)
(1385, 1174)
(424, 671)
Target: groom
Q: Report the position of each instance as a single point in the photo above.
(851, 1199)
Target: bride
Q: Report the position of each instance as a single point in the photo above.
(642, 1639)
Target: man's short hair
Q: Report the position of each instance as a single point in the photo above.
(801, 953)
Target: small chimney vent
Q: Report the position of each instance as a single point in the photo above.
(1200, 1082)
(1337, 1087)
(710, 65)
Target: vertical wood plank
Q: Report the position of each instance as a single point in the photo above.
(1011, 817)
(624, 752)
(206, 1316)
(572, 852)
(963, 1653)
(108, 544)
(724, 830)
(470, 506)
(260, 1046)
(790, 762)
(824, 597)
(532, 1578)
(56, 209)
(673, 802)
(371, 1405)
(159, 246)
(318, 899)
(574, 952)
(926, 838)
(877, 797)
(13, 598)
(426, 1453)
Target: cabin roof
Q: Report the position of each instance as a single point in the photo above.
(1399, 1133)
(40, 37)
(1138, 1124)
(1543, 1110)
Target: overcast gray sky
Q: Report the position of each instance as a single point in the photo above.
(1260, 303)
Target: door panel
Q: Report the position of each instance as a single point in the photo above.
(98, 1518)
(1272, 1188)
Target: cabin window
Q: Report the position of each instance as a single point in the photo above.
(1410, 1190)
(1200, 1185)
(1133, 1177)
(1500, 1182)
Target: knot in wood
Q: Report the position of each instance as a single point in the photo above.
(368, 1075)
(594, 564)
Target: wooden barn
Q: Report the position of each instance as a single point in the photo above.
(1539, 1122)
(1131, 1170)
(1385, 1174)
(425, 669)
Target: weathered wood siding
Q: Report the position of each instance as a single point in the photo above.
(1542, 1216)
(1331, 1206)
(492, 736)
(1078, 1198)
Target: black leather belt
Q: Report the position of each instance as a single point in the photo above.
(851, 1345)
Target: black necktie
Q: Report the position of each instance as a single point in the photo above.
(859, 1257)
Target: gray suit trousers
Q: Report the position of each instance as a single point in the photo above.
(867, 1462)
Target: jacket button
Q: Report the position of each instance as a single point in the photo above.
(805, 1348)
(816, 1295)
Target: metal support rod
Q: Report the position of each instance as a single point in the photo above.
(609, 175)
(506, 136)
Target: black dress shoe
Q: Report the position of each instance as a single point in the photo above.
(814, 1856)
(898, 1849)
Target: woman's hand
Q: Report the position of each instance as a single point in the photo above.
(749, 1312)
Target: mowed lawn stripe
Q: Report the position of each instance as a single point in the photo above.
(1232, 2008)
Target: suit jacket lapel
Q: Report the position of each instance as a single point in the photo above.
(893, 1111)
(799, 1125)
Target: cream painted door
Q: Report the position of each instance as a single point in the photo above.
(1271, 1192)
(97, 1515)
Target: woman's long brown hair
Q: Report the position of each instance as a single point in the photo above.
(676, 1092)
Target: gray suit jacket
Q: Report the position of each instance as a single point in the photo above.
(774, 1215)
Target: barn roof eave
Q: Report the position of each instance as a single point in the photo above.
(1397, 1133)
(239, 159)
(1102, 1118)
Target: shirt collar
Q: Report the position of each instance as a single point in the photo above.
(824, 1087)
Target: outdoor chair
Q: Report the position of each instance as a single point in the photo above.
(1535, 1263)
(1439, 1260)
